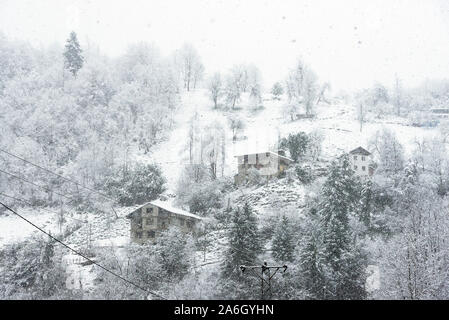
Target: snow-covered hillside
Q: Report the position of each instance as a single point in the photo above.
(336, 121)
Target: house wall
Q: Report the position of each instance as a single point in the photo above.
(268, 165)
(360, 164)
(151, 220)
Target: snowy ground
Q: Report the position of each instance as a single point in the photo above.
(337, 122)
(14, 229)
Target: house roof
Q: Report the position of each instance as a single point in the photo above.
(361, 151)
(166, 206)
(271, 152)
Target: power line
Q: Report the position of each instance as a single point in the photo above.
(57, 213)
(37, 185)
(56, 174)
(80, 254)
(245, 253)
(49, 189)
(30, 204)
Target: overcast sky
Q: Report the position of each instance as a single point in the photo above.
(350, 43)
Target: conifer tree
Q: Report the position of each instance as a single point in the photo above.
(244, 240)
(73, 59)
(283, 242)
(243, 248)
(311, 274)
(343, 262)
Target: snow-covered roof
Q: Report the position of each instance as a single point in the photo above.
(166, 206)
(271, 152)
(361, 151)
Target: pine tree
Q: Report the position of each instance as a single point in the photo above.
(244, 240)
(73, 59)
(283, 242)
(311, 274)
(244, 246)
(343, 262)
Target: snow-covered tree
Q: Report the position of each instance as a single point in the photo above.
(389, 151)
(73, 58)
(236, 124)
(215, 87)
(343, 262)
(310, 274)
(243, 239)
(277, 91)
(283, 244)
(234, 85)
(413, 262)
(175, 252)
(302, 88)
(137, 185)
(255, 96)
(244, 246)
(191, 66)
(296, 144)
(398, 95)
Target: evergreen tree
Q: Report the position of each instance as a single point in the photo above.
(244, 240)
(277, 90)
(343, 262)
(283, 242)
(73, 59)
(174, 252)
(244, 246)
(311, 274)
(296, 144)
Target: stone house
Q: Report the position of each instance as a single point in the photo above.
(361, 162)
(269, 164)
(153, 217)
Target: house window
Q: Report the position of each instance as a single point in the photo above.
(149, 221)
(138, 221)
(181, 222)
(245, 159)
(150, 234)
(139, 235)
(189, 224)
(363, 168)
(149, 210)
(355, 157)
(363, 158)
(355, 167)
(267, 154)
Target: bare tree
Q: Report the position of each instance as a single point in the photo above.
(389, 150)
(236, 124)
(198, 73)
(215, 86)
(234, 86)
(301, 85)
(212, 147)
(397, 95)
(191, 65)
(322, 93)
(361, 114)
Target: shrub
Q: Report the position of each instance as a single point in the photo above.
(296, 144)
(254, 177)
(304, 174)
(137, 185)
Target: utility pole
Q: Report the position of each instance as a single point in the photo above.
(265, 276)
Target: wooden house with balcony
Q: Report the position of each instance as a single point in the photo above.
(269, 164)
(153, 217)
